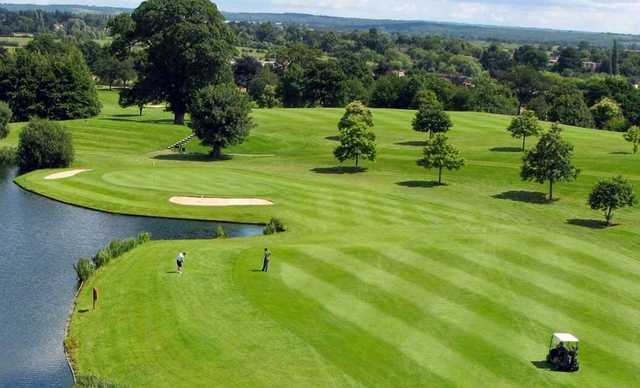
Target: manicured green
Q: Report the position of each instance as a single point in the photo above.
(381, 279)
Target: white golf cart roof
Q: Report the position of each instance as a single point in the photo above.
(565, 337)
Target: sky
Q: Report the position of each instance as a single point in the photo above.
(585, 15)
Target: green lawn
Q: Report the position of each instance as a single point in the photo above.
(382, 280)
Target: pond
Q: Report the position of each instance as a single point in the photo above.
(40, 240)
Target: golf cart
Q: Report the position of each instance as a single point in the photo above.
(563, 352)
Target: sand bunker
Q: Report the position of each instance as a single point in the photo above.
(64, 174)
(204, 201)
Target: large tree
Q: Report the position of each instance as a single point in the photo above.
(186, 45)
(438, 153)
(523, 126)
(220, 116)
(356, 139)
(549, 161)
(611, 195)
(50, 79)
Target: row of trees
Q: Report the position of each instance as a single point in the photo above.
(550, 161)
(48, 78)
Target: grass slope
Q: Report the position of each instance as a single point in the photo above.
(382, 280)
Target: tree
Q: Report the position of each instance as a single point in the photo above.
(134, 97)
(531, 56)
(432, 119)
(264, 88)
(111, 69)
(48, 79)
(615, 59)
(44, 144)
(523, 126)
(549, 161)
(356, 139)
(220, 116)
(496, 60)
(185, 46)
(633, 136)
(439, 154)
(567, 106)
(526, 83)
(604, 111)
(5, 117)
(569, 60)
(292, 86)
(246, 70)
(611, 195)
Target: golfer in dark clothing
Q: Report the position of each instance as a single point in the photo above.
(265, 260)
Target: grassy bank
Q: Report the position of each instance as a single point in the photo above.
(383, 278)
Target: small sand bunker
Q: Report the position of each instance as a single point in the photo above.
(65, 174)
(204, 201)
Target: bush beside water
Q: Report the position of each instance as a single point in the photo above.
(7, 156)
(44, 144)
(220, 232)
(274, 226)
(87, 266)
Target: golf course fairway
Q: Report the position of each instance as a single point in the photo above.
(382, 279)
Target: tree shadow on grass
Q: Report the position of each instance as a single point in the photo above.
(191, 157)
(141, 120)
(420, 184)
(506, 149)
(524, 196)
(126, 115)
(591, 224)
(83, 311)
(541, 364)
(413, 143)
(620, 153)
(332, 138)
(338, 170)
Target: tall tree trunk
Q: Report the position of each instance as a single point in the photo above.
(217, 151)
(440, 176)
(141, 107)
(178, 117)
(524, 138)
(608, 216)
(550, 189)
(357, 157)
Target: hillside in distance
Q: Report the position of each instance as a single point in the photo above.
(70, 8)
(456, 30)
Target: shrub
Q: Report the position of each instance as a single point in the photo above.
(86, 266)
(7, 156)
(84, 269)
(274, 226)
(5, 117)
(102, 257)
(143, 237)
(93, 382)
(44, 144)
(220, 232)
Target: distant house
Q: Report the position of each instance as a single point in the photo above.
(590, 66)
(457, 79)
(399, 73)
(264, 63)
